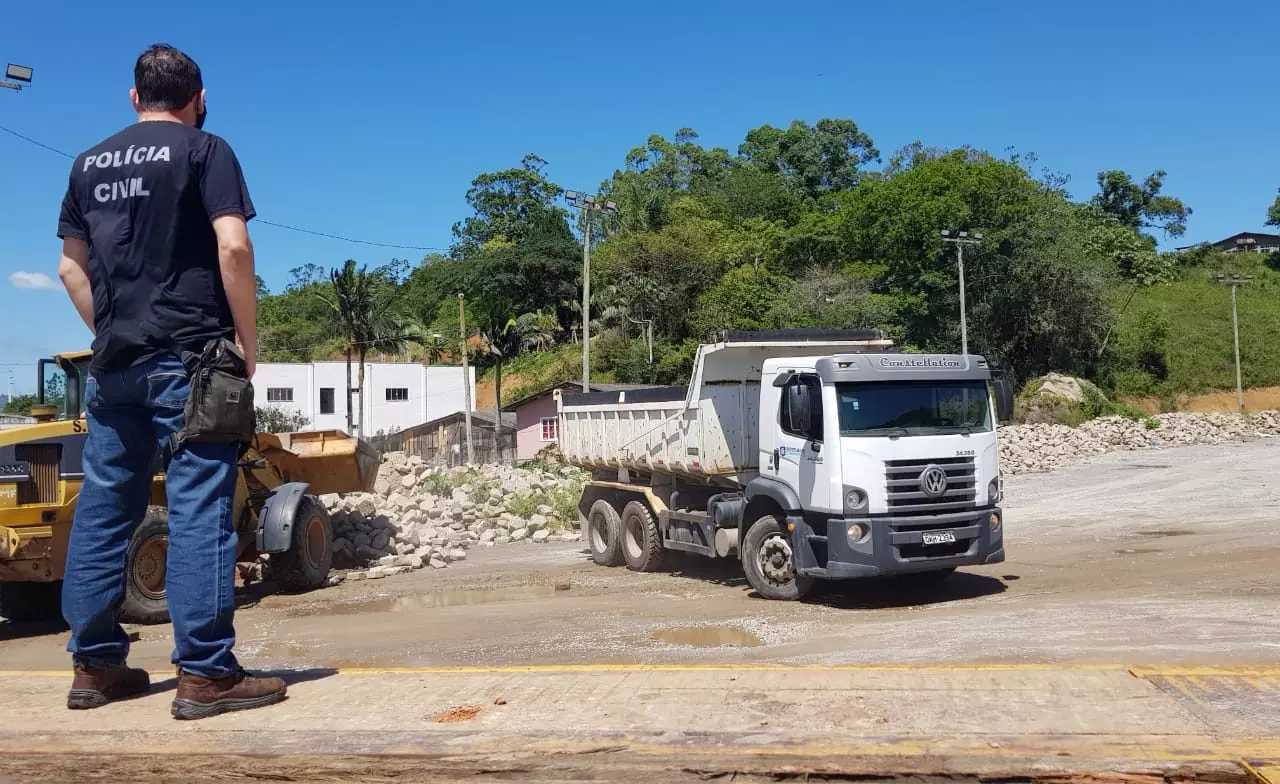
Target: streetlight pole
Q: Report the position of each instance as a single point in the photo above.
(590, 207)
(1235, 282)
(466, 375)
(960, 240)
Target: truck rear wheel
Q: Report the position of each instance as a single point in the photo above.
(604, 534)
(641, 539)
(305, 565)
(769, 562)
(145, 567)
(31, 602)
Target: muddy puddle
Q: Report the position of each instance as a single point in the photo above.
(433, 600)
(708, 636)
(1158, 533)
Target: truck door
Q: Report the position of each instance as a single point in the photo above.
(799, 458)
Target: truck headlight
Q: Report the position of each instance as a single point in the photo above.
(857, 532)
(995, 492)
(855, 499)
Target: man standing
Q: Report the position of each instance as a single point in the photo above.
(157, 260)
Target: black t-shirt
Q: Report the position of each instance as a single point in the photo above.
(144, 200)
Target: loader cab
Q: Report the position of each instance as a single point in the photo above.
(60, 383)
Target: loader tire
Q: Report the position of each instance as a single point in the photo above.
(31, 602)
(604, 534)
(305, 565)
(769, 562)
(641, 539)
(145, 567)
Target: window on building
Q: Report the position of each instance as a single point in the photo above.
(397, 394)
(279, 394)
(326, 400)
(550, 429)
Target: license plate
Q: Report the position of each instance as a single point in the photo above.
(940, 537)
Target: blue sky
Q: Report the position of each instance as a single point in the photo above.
(369, 120)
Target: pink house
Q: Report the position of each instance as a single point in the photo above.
(537, 426)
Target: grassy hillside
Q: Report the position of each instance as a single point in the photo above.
(1187, 323)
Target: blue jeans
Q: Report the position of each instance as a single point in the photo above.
(132, 413)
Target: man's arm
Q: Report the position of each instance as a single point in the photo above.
(235, 258)
(74, 271)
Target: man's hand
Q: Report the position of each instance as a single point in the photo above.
(74, 271)
(235, 258)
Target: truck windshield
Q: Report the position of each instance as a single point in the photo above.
(913, 408)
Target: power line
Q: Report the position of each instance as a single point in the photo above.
(64, 154)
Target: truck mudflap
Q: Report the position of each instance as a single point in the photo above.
(896, 545)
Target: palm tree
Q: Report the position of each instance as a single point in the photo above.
(436, 347)
(538, 330)
(502, 342)
(366, 317)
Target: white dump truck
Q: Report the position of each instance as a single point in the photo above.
(808, 454)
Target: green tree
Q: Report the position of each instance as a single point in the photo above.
(272, 419)
(816, 159)
(1141, 205)
(21, 405)
(365, 312)
(1273, 213)
(505, 203)
(742, 299)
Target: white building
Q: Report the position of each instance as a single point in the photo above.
(397, 395)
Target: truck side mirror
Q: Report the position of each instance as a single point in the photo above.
(1004, 399)
(799, 408)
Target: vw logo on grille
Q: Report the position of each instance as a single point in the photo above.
(933, 481)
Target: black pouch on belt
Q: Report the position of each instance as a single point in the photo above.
(220, 409)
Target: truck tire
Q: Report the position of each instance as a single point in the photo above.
(769, 562)
(31, 602)
(641, 539)
(145, 566)
(305, 565)
(604, 534)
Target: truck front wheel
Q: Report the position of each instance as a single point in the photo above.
(604, 534)
(641, 539)
(769, 561)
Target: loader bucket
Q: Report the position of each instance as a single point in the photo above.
(330, 461)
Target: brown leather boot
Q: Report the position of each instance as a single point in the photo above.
(200, 698)
(94, 687)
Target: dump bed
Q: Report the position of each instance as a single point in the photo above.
(709, 429)
(330, 461)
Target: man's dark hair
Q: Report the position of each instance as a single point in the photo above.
(165, 78)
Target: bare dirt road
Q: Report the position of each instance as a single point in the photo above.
(1155, 557)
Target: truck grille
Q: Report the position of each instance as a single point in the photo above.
(44, 459)
(906, 496)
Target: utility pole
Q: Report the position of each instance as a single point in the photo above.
(648, 333)
(466, 375)
(1235, 282)
(590, 207)
(960, 240)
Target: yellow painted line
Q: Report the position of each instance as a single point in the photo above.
(1186, 672)
(1249, 674)
(1263, 774)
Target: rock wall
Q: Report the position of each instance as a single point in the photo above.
(420, 516)
(1043, 447)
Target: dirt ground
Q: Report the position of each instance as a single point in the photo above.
(1156, 557)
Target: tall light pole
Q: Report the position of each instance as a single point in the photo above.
(466, 374)
(590, 207)
(1235, 282)
(15, 76)
(960, 240)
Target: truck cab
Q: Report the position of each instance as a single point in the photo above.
(889, 459)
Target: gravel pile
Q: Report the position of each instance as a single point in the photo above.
(420, 516)
(1043, 447)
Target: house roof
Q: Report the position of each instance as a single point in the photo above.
(481, 418)
(1258, 237)
(576, 386)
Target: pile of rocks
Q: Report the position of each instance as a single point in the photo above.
(1043, 447)
(422, 516)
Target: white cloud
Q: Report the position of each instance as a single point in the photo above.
(31, 280)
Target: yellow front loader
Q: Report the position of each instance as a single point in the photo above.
(277, 508)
